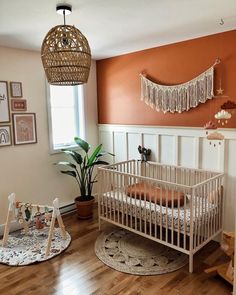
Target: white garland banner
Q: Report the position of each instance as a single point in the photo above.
(181, 97)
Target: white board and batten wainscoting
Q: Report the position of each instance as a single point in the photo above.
(181, 146)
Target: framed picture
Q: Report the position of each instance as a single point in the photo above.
(18, 105)
(16, 89)
(4, 103)
(5, 135)
(24, 126)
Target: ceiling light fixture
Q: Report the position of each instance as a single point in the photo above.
(65, 53)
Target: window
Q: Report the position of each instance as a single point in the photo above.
(65, 112)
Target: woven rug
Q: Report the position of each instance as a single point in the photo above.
(130, 253)
(24, 249)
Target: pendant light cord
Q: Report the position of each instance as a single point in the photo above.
(64, 16)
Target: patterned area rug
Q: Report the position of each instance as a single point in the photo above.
(24, 249)
(130, 253)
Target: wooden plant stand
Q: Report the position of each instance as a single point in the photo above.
(55, 215)
(226, 270)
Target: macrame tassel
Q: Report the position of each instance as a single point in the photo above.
(178, 98)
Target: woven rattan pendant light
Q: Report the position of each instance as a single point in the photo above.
(65, 53)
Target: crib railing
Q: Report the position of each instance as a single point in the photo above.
(170, 173)
(192, 217)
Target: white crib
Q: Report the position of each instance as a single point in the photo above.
(186, 210)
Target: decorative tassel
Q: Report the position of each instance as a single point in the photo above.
(178, 98)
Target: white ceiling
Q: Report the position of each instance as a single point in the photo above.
(115, 27)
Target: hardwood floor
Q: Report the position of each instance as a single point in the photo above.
(78, 271)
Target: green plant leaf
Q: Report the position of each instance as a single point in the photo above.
(66, 164)
(76, 156)
(99, 163)
(70, 173)
(103, 153)
(94, 155)
(82, 143)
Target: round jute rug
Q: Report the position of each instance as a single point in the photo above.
(24, 249)
(130, 253)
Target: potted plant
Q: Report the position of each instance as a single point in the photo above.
(82, 169)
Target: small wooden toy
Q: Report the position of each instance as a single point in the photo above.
(226, 270)
(28, 211)
(145, 153)
(48, 217)
(38, 219)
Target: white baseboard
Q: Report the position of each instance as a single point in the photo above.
(67, 209)
(13, 227)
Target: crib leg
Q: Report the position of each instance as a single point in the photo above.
(191, 263)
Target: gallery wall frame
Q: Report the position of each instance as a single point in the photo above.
(4, 103)
(24, 127)
(18, 105)
(5, 135)
(16, 89)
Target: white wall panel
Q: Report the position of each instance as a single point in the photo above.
(209, 155)
(120, 146)
(150, 142)
(167, 151)
(134, 140)
(186, 151)
(106, 138)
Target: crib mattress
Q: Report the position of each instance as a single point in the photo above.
(179, 219)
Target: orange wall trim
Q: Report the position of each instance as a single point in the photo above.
(118, 80)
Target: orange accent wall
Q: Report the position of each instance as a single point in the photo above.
(118, 80)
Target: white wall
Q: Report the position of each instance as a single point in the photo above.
(178, 146)
(28, 170)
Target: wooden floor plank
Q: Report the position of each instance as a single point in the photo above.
(78, 271)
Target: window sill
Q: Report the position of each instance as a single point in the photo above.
(58, 150)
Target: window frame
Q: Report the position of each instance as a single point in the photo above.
(80, 118)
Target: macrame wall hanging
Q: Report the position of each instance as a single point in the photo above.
(181, 97)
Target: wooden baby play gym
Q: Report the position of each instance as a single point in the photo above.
(44, 216)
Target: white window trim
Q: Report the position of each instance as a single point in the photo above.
(81, 120)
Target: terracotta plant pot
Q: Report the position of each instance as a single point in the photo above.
(84, 207)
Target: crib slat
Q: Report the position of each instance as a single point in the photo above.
(140, 211)
(114, 194)
(123, 197)
(145, 208)
(118, 197)
(161, 212)
(195, 220)
(109, 195)
(202, 214)
(150, 218)
(217, 206)
(199, 216)
(214, 202)
(185, 222)
(211, 218)
(178, 233)
(172, 215)
(102, 191)
(191, 227)
(135, 203)
(166, 208)
(206, 211)
(155, 212)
